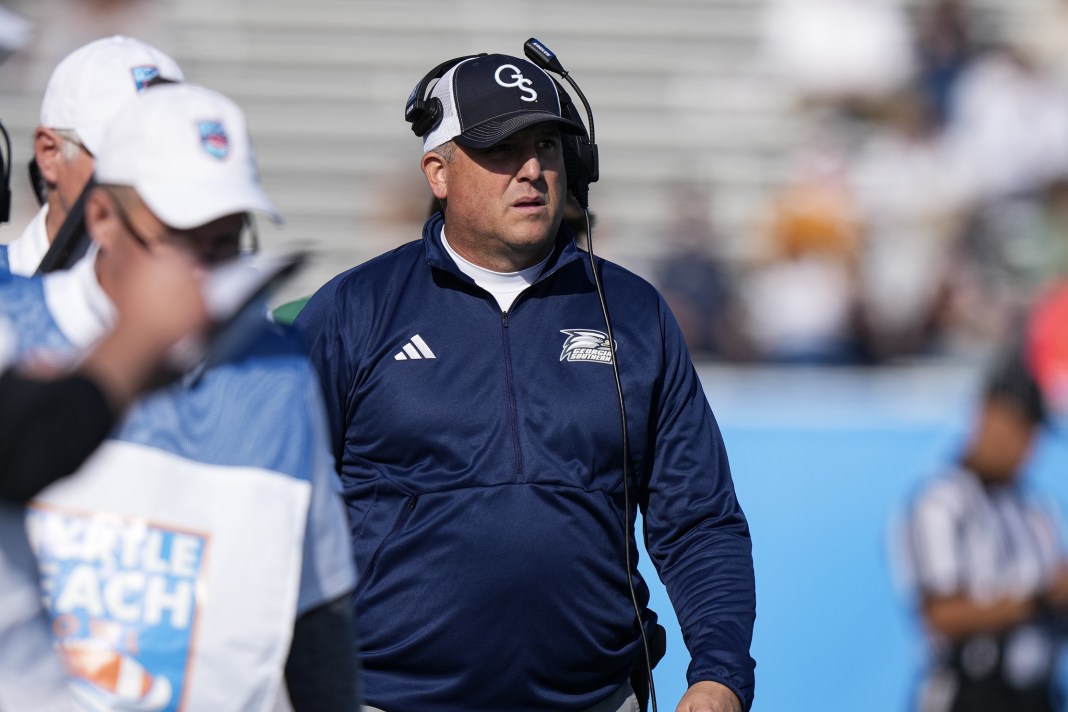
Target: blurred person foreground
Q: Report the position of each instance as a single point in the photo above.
(196, 464)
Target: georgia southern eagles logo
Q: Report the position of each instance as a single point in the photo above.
(586, 345)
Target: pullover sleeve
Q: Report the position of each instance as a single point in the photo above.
(322, 329)
(695, 531)
(47, 429)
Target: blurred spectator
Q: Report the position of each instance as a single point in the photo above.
(1034, 246)
(980, 302)
(801, 300)
(911, 197)
(944, 47)
(988, 565)
(1010, 124)
(1009, 133)
(1041, 34)
(842, 52)
(697, 284)
(1012, 250)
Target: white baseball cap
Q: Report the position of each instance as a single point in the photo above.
(90, 84)
(186, 151)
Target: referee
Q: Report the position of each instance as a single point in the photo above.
(988, 565)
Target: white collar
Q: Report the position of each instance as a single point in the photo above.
(504, 286)
(24, 255)
(7, 344)
(78, 303)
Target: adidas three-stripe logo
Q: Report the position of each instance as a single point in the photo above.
(416, 348)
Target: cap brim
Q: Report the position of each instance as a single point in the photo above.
(489, 133)
(91, 137)
(198, 205)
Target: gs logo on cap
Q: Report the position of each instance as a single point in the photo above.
(517, 80)
(213, 138)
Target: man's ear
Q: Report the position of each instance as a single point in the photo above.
(48, 152)
(436, 169)
(102, 218)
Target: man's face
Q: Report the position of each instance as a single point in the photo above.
(66, 166)
(504, 203)
(138, 228)
(73, 177)
(1006, 437)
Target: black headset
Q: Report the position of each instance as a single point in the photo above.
(581, 166)
(424, 112)
(5, 177)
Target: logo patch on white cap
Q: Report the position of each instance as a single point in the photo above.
(214, 139)
(144, 75)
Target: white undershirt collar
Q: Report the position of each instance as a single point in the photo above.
(504, 286)
(24, 255)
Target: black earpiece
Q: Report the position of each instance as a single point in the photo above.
(424, 114)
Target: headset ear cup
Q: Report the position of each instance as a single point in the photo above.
(578, 182)
(424, 113)
(580, 157)
(428, 118)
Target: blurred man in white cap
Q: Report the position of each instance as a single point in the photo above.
(158, 306)
(203, 549)
(85, 91)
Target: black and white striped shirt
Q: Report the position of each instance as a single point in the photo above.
(988, 542)
(985, 541)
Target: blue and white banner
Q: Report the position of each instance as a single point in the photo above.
(123, 598)
(172, 584)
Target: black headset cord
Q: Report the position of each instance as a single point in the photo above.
(627, 527)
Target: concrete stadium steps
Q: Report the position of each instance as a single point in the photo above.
(324, 83)
(680, 97)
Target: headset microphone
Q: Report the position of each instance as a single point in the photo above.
(581, 165)
(581, 159)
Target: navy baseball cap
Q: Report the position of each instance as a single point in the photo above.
(488, 98)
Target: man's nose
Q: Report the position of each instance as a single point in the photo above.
(531, 168)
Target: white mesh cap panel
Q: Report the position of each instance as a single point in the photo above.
(449, 126)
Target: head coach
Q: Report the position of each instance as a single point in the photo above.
(476, 420)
